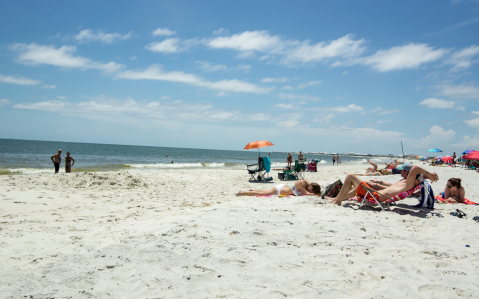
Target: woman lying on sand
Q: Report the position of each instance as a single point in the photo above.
(371, 172)
(302, 187)
(454, 192)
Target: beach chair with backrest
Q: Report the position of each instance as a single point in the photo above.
(257, 171)
(299, 169)
(374, 200)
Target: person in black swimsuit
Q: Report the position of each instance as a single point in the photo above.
(57, 159)
(334, 159)
(68, 163)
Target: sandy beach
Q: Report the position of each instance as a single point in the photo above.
(184, 234)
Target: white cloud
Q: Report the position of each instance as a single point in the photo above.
(345, 72)
(46, 86)
(292, 96)
(409, 56)
(163, 31)
(34, 54)
(244, 67)
(342, 47)
(169, 45)
(62, 97)
(344, 109)
(383, 121)
(18, 80)
(246, 41)
(473, 123)
(286, 106)
(381, 111)
(88, 35)
(164, 98)
(309, 84)
(291, 51)
(325, 119)
(4, 102)
(155, 72)
(468, 142)
(270, 80)
(475, 112)
(437, 103)
(464, 91)
(205, 65)
(287, 87)
(134, 58)
(438, 136)
(221, 31)
(463, 59)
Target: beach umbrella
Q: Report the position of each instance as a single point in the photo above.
(468, 152)
(471, 156)
(434, 150)
(447, 159)
(258, 145)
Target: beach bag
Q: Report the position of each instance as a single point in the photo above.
(332, 190)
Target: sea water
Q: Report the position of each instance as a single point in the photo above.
(27, 156)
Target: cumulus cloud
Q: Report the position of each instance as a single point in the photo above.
(473, 123)
(464, 91)
(4, 102)
(34, 54)
(292, 96)
(286, 106)
(409, 56)
(169, 45)
(163, 31)
(324, 119)
(441, 104)
(438, 135)
(88, 35)
(155, 72)
(270, 80)
(308, 84)
(463, 59)
(18, 80)
(290, 51)
(46, 86)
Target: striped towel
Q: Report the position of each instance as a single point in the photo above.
(427, 196)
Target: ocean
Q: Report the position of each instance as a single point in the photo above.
(27, 156)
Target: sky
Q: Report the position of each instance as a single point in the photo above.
(315, 76)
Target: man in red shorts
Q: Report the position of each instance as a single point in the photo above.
(353, 182)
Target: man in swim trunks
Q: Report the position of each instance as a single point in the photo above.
(57, 159)
(300, 156)
(353, 181)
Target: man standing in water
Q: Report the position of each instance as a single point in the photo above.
(57, 159)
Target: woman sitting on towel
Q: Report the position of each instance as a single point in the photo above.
(298, 188)
(454, 192)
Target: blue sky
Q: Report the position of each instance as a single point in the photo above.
(334, 76)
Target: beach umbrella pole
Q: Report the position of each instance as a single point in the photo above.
(404, 160)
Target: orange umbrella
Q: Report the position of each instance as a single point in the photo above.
(257, 144)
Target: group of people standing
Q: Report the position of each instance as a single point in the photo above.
(57, 159)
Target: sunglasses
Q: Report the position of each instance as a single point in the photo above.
(448, 186)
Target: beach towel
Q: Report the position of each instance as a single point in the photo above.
(466, 201)
(427, 196)
(277, 195)
(267, 164)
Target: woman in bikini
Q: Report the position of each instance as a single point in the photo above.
(289, 160)
(68, 163)
(454, 192)
(298, 188)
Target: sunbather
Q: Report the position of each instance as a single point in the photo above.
(454, 192)
(353, 181)
(302, 187)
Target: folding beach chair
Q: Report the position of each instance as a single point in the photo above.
(375, 199)
(257, 172)
(299, 169)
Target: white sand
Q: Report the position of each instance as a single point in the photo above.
(183, 233)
